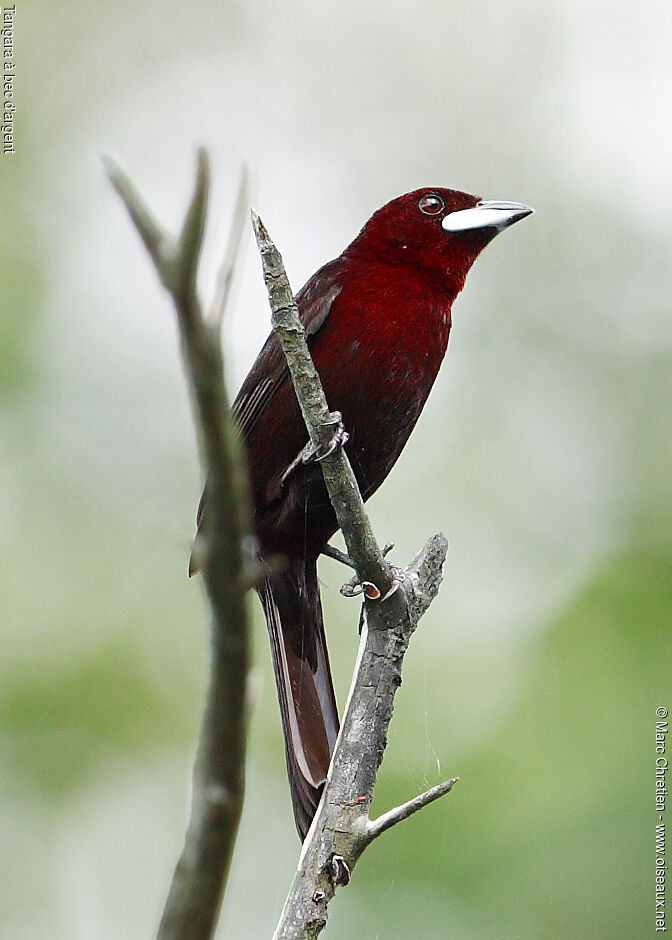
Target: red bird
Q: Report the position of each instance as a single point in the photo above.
(377, 320)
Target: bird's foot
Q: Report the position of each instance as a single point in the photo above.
(339, 438)
(313, 454)
(354, 586)
(397, 581)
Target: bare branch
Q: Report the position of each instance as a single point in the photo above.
(155, 240)
(342, 825)
(332, 552)
(232, 253)
(195, 894)
(340, 480)
(395, 600)
(399, 813)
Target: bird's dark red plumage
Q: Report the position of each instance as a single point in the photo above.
(377, 320)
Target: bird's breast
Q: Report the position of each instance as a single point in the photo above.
(378, 359)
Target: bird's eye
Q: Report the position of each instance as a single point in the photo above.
(431, 204)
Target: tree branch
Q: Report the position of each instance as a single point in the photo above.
(341, 484)
(232, 253)
(195, 893)
(399, 813)
(395, 599)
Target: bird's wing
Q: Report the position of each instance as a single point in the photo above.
(269, 371)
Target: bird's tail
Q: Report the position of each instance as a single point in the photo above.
(291, 602)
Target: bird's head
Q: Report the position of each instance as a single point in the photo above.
(439, 230)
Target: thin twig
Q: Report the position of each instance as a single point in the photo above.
(232, 253)
(195, 893)
(332, 552)
(393, 816)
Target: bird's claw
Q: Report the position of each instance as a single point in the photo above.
(397, 579)
(312, 453)
(339, 439)
(396, 584)
(354, 587)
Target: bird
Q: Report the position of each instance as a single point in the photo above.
(377, 320)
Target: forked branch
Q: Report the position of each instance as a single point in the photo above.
(395, 600)
(195, 893)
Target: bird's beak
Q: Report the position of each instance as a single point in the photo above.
(488, 213)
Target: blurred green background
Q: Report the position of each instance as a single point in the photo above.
(543, 453)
